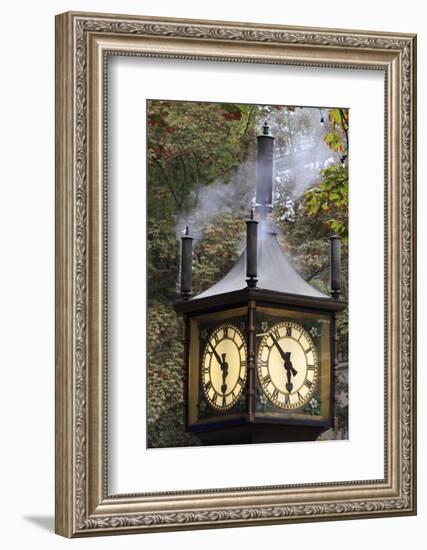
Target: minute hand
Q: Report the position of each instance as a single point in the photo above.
(218, 358)
(276, 343)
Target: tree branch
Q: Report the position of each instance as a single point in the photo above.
(169, 184)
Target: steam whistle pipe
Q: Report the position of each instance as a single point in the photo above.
(264, 172)
(335, 266)
(251, 251)
(186, 264)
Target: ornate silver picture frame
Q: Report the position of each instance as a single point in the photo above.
(84, 42)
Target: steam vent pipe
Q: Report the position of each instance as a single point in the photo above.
(186, 264)
(251, 251)
(264, 172)
(335, 266)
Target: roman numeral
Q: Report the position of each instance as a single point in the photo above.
(288, 331)
(275, 394)
(266, 380)
(215, 337)
(310, 367)
(300, 397)
(276, 333)
(225, 329)
(215, 398)
(208, 386)
(308, 383)
(243, 364)
(262, 363)
(307, 350)
(241, 381)
(287, 399)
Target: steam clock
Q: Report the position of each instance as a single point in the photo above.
(260, 344)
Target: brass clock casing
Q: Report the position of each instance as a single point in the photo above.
(251, 412)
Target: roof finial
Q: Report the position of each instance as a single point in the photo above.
(265, 128)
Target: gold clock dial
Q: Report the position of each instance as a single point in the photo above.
(287, 365)
(224, 367)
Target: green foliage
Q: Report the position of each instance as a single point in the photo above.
(191, 144)
(328, 202)
(337, 136)
(333, 139)
(165, 351)
(216, 253)
(162, 259)
(168, 430)
(342, 416)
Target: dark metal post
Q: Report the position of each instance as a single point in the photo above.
(335, 266)
(264, 172)
(186, 264)
(251, 251)
(251, 360)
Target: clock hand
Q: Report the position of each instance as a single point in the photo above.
(290, 371)
(276, 343)
(224, 367)
(291, 368)
(218, 358)
(288, 364)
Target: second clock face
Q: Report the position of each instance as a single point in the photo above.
(224, 367)
(287, 365)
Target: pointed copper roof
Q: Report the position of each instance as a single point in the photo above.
(275, 272)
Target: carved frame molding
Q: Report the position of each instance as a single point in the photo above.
(83, 43)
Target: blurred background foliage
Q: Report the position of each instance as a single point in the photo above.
(201, 172)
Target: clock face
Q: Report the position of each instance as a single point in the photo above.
(287, 365)
(224, 367)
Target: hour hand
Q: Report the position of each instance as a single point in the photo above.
(293, 371)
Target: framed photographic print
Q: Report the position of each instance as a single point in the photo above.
(207, 172)
(235, 274)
